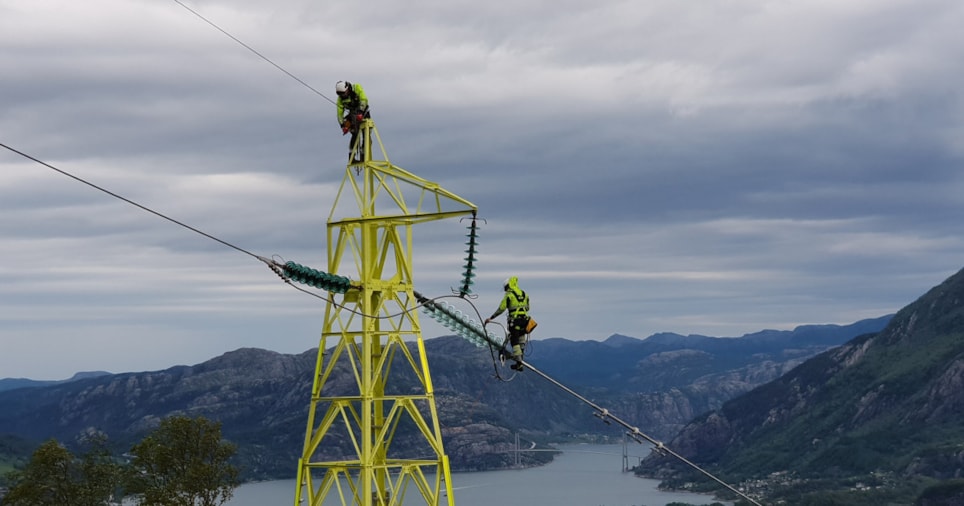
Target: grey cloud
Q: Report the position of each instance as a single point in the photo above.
(642, 167)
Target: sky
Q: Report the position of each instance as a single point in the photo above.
(643, 166)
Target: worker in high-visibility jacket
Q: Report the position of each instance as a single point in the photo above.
(516, 302)
(352, 108)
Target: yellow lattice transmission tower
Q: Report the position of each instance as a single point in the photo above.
(373, 431)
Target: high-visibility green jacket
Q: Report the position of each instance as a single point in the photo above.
(515, 301)
(356, 100)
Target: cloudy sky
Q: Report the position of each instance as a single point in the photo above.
(643, 166)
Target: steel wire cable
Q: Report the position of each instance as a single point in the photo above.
(604, 414)
(636, 434)
(209, 236)
(256, 52)
(179, 223)
(129, 201)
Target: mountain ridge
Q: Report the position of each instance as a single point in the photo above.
(614, 340)
(887, 402)
(14, 383)
(261, 396)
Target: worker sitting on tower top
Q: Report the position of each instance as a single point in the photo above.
(352, 111)
(516, 302)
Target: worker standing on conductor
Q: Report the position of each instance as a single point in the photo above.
(352, 107)
(516, 302)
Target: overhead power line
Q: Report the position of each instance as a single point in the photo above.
(249, 48)
(476, 334)
(271, 263)
(601, 413)
(639, 436)
(131, 202)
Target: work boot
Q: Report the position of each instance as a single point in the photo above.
(517, 366)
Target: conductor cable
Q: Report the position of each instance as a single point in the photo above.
(253, 50)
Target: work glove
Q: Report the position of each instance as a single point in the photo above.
(345, 127)
(360, 117)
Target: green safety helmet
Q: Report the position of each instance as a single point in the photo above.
(510, 282)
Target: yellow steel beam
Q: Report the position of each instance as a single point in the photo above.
(370, 240)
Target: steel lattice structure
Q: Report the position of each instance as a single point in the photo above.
(372, 376)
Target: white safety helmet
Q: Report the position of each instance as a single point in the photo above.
(341, 87)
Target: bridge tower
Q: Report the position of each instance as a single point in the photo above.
(372, 387)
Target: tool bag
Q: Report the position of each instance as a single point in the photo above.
(531, 325)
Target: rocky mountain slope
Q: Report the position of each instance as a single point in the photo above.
(14, 383)
(884, 404)
(261, 397)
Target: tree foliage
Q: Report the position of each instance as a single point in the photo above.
(183, 462)
(101, 475)
(46, 479)
(55, 476)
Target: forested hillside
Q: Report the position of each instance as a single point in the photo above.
(883, 410)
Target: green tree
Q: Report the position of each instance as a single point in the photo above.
(47, 479)
(101, 476)
(55, 477)
(184, 462)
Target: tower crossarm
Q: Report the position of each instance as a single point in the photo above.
(375, 189)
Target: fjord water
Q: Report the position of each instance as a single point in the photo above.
(583, 475)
